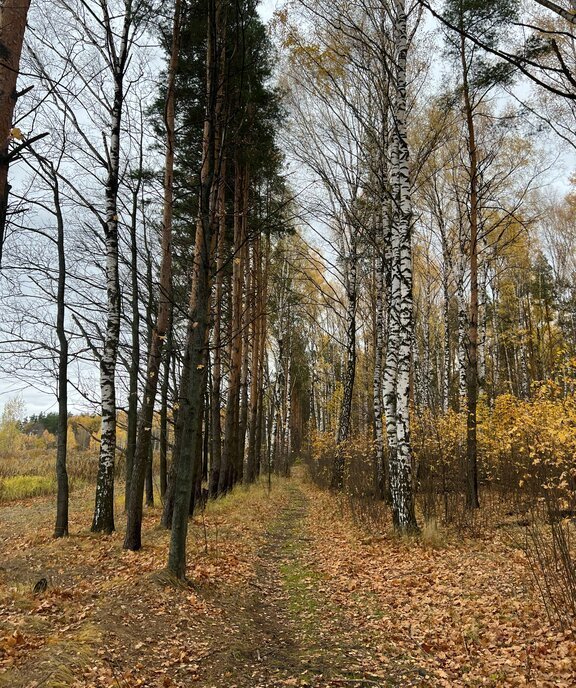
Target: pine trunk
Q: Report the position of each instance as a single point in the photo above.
(472, 500)
(216, 404)
(187, 460)
(345, 420)
(144, 453)
(229, 469)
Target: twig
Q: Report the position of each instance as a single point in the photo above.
(356, 680)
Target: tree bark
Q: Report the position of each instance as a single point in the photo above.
(381, 472)
(216, 405)
(135, 364)
(230, 459)
(472, 500)
(164, 424)
(245, 331)
(256, 379)
(13, 14)
(401, 488)
(61, 527)
(103, 520)
(133, 537)
(344, 424)
(186, 460)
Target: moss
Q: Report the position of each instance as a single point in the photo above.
(300, 583)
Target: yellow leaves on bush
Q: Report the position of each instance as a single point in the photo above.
(528, 444)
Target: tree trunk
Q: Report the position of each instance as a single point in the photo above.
(229, 472)
(164, 426)
(392, 283)
(61, 528)
(381, 472)
(463, 325)
(135, 365)
(103, 520)
(150, 474)
(133, 537)
(245, 333)
(216, 405)
(447, 357)
(13, 14)
(261, 415)
(344, 424)
(401, 489)
(189, 413)
(472, 372)
(255, 381)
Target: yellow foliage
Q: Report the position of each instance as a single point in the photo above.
(522, 444)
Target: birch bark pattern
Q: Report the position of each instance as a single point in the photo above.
(401, 490)
(103, 520)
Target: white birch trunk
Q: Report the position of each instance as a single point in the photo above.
(462, 335)
(401, 476)
(446, 353)
(103, 520)
(391, 256)
(377, 382)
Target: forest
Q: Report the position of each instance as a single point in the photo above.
(287, 343)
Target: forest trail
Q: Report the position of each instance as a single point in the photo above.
(283, 631)
(288, 588)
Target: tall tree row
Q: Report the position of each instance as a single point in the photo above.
(233, 274)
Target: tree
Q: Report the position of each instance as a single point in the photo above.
(13, 15)
(134, 517)
(193, 379)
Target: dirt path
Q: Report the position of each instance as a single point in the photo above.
(282, 630)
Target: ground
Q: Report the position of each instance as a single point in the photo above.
(287, 589)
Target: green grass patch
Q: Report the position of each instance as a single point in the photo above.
(23, 486)
(300, 583)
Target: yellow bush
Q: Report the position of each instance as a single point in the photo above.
(527, 445)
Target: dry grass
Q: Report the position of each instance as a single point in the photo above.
(24, 486)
